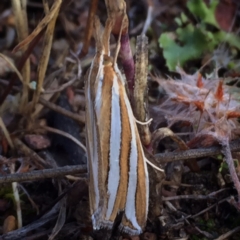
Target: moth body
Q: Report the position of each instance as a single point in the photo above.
(118, 177)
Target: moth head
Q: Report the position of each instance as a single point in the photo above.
(107, 60)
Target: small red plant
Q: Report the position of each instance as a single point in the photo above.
(209, 106)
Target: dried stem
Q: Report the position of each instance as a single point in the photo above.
(20, 65)
(194, 153)
(140, 89)
(20, 14)
(229, 160)
(6, 133)
(196, 197)
(43, 174)
(47, 45)
(161, 158)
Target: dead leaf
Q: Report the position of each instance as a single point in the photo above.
(9, 224)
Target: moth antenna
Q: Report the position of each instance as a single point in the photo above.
(98, 31)
(143, 123)
(106, 36)
(118, 42)
(154, 166)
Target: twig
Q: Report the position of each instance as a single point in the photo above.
(229, 160)
(205, 210)
(228, 234)
(61, 110)
(196, 197)
(161, 158)
(194, 153)
(42, 174)
(61, 88)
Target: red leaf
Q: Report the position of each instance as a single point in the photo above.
(199, 81)
(219, 92)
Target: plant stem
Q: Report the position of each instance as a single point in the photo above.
(229, 160)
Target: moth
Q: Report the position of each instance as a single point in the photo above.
(118, 176)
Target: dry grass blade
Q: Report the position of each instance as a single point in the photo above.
(21, 21)
(47, 45)
(20, 65)
(16, 199)
(6, 133)
(45, 21)
(56, 108)
(61, 88)
(46, 97)
(34, 205)
(67, 135)
(14, 184)
(61, 218)
(88, 32)
(14, 68)
(36, 160)
(229, 234)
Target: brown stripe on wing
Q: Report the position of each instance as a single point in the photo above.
(126, 137)
(140, 195)
(104, 130)
(141, 191)
(89, 141)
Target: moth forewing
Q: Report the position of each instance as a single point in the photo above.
(91, 136)
(136, 207)
(117, 168)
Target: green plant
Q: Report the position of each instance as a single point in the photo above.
(190, 42)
